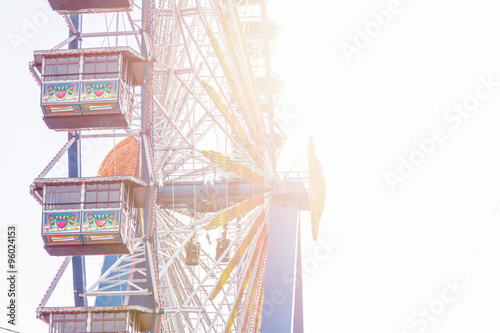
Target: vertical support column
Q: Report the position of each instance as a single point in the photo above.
(298, 316)
(282, 269)
(75, 170)
(78, 262)
(145, 125)
(147, 131)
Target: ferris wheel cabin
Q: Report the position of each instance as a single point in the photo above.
(90, 216)
(123, 319)
(89, 88)
(90, 6)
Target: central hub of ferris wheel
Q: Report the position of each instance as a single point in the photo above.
(195, 226)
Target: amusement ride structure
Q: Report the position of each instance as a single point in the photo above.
(199, 231)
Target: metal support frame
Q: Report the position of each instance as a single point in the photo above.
(283, 288)
(121, 279)
(182, 41)
(75, 170)
(191, 45)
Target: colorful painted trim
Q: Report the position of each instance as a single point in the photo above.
(100, 108)
(60, 92)
(61, 222)
(101, 238)
(60, 110)
(99, 90)
(99, 220)
(62, 240)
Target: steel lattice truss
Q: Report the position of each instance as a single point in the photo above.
(204, 90)
(185, 291)
(205, 98)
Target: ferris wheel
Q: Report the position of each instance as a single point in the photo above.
(199, 231)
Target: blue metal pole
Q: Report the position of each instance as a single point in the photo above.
(298, 315)
(145, 118)
(282, 269)
(147, 301)
(75, 170)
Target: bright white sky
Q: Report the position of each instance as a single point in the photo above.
(394, 250)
